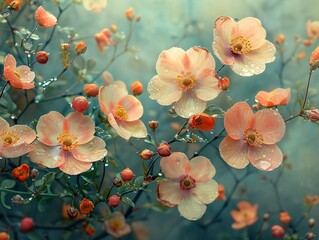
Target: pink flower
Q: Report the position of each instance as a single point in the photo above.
(18, 77)
(242, 45)
(94, 5)
(123, 111)
(185, 79)
(15, 141)
(276, 97)
(103, 39)
(188, 184)
(116, 225)
(67, 142)
(246, 215)
(44, 18)
(312, 28)
(252, 137)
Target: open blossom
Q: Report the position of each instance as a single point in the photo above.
(312, 28)
(44, 18)
(94, 5)
(123, 112)
(188, 184)
(276, 97)
(67, 142)
(15, 141)
(242, 45)
(246, 215)
(103, 39)
(116, 225)
(185, 79)
(252, 137)
(18, 77)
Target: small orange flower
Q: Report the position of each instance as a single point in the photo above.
(86, 206)
(276, 97)
(246, 215)
(44, 18)
(103, 39)
(80, 47)
(88, 228)
(202, 121)
(224, 83)
(129, 14)
(311, 201)
(21, 173)
(314, 59)
(14, 4)
(221, 192)
(137, 88)
(284, 217)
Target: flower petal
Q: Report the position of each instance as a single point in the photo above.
(191, 210)
(4, 125)
(10, 62)
(266, 157)
(200, 61)
(16, 150)
(47, 156)
(44, 18)
(109, 96)
(207, 88)
(49, 127)
(83, 127)
(236, 119)
(118, 129)
(165, 93)
(174, 166)
(92, 151)
(277, 97)
(72, 166)
(136, 128)
(26, 76)
(26, 134)
(234, 152)
(205, 192)
(201, 169)
(133, 107)
(169, 193)
(270, 124)
(188, 105)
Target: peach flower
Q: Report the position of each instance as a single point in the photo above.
(188, 184)
(44, 18)
(67, 142)
(242, 45)
(94, 5)
(18, 77)
(246, 215)
(312, 28)
(185, 79)
(15, 141)
(103, 39)
(123, 112)
(252, 137)
(116, 225)
(276, 97)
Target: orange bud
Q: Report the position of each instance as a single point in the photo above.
(146, 154)
(80, 48)
(91, 89)
(64, 47)
(88, 228)
(284, 217)
(280, 38)
(277, 231)
(137, 88)
(314, 59)
(4, 236)
(164, 150)
(127, 175)
(113, 28)
(153, 125)
(42, 57)
(14, 4)
(21, 173)
(80, 104)
(129, 14)
(224, 83)
(202, 121)
(27, 225)
(301, 56)
(221, 192)
(86, 206)
(114, 201)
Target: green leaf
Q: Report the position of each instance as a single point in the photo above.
(8, 183)
(144, 168)
(106, 192)
(44, 203)
(214, 110)
(87, 180)
(138, 182)
(127, 201)
(156, 207)
(113, 163)
(3, 200)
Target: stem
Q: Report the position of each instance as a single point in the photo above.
(220, 68)
(3, 88)
(103, 175)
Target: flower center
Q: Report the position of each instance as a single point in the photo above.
(187, 183)
(9, 138)
(120, 113)
(240, 45)
(67, 141)
(17, 74)
(186, 81)
(253, 138)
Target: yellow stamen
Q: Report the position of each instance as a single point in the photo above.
(120, 113)
(253, 138)
(67, 141)
(186, 81)
(8, 138)
(240, 45)
(187, 183)
(17, 74)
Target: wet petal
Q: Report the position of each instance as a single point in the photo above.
(206, 192)
(26, 76)
(174, 166)
(26, 134)
(44, 18)
(4, 125)
(200, 60)
(72, 166)
(136, 128)
(118, 129)
(16, 151)
(133, 107)
(188, 105)
(223, 28)
(109, 96)
(92, 151)
(191, 210)
(10, 62)
(169, 193)
(277, 97)
(202, 170)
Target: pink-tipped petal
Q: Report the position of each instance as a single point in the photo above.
(270, 124)
(265, 158)
(202, 170)
(165, 93)
(16, 150)
(174, 166)
(10, 61)
(26, 75)
(234, 152)
(236, 119)
(26, 134)
(189, 105)
(132, 106)
(109, 96)
(223, 28)
(44, 18)
(49, 127)
(136, 128)
(202, 62)
(206, 192)
(118, 129)
(47, 156)
(83, 127)
(72, 166)
(169, 193)
(4, 125)
(191, 210)
(92, 151)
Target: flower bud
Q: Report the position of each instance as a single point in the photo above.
(266, 217)
(153, 125)
(80, 104)
(224, 83)
(86, 206)
(113, 28)
(4, 236)
(72, 212)
(91, 90)
(117, 182)
(114, 201)
(137, 88)
(301, 56)
(307, 42)
(314, 59)
(34, 174)
(127, 175)
(280, 38)
(22, 172)
(311, 222)
(80, 48)
(284, 217)
(164, 150)
(129, 14)
(64, 47)
(138, 18)
(42, 57)
(27, 225)
(277, 231)
(88, 228)
(256, 106)
(17, 200)
(312, 114)
(310, 236)
(146, 154)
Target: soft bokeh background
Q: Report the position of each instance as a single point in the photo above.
(187, 23)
